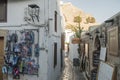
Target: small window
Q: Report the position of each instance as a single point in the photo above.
(55, 54)
(3, 10)
(55, 21)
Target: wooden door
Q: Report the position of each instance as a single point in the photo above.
(1, 56)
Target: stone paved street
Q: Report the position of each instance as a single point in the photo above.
(70, 73)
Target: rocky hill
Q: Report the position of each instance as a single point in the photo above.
(70, 11)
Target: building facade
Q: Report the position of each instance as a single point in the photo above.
(41, 51)
(105, 35)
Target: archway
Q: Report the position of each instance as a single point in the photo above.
(95, 58)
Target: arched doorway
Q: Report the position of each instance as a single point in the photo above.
(95, 58)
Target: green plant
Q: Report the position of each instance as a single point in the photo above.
(77, 19)
(78, 31)
(90, 20)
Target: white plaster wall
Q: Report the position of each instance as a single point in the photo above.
(68, 34)
(15, 11)
(15, 17)
(54, 73)
(73, 52)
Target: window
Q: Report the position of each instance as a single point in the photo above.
(3, 10)
(113, 41)
(55, 21)
(55, 54)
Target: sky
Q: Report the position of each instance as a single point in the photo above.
(100, 9)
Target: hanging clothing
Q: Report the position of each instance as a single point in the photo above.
(4, 69)
(36, 50)
(14, 37)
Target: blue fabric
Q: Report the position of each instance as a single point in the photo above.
(11, 59)
(27, 36)
(30, 51)
(9, 38)
(16, 48)
(10, 69)
(14, 37)
(15, 60)
(4, 69)
(36, 50)
(32, 36)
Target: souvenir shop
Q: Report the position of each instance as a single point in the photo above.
(21, 53)
(103, 50)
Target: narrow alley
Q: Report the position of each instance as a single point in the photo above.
(59, 40)
(70, 73)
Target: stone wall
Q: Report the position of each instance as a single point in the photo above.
(102, 34)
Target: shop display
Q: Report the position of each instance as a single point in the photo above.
(94, 74)
(19, 58)
(96, 59)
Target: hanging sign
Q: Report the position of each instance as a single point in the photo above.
(103, 53)
(105, 72)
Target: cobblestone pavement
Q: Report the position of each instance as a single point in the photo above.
(67, 72)
(70, 73)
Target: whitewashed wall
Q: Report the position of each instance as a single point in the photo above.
(15, 11)
(54, 73)
(15, 21)
(73, 52)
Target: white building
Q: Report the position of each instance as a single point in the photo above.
(44, 19)
(73, 50)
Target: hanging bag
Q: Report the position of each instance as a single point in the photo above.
(4, 69)
(36, 50)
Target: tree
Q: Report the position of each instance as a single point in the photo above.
(90, 20)
(78, 20)
(75, 29)
(78, 32)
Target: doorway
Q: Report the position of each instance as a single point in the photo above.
(1, 56)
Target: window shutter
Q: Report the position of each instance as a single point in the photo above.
(3, 10)
(55, 54)
(55, 21)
